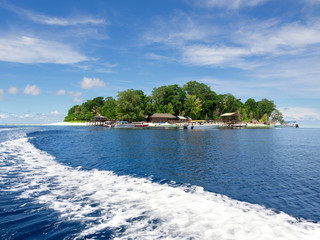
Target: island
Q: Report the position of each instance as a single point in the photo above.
(193, 101)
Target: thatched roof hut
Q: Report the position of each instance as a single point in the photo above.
(162, 117)
(232, 117)
(100, 118)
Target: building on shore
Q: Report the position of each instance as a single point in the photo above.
(98, 121)
(163, 117)
(231, 120)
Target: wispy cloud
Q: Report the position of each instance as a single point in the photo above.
(13, 90)
(183, 28)
(73, 94)
(300, 113)
(255, 88)
(88, 83)
(53, 116)
(77, 100)
(238, 45)
(311, 2)
(38, 18)
(1, 94)
(61, 92)
(201, 55)
(231, 4)
(32, 90)
(52, 20)
(3, 116)
(33, 50)
(55, 113)
(158, 57)
(104, 67)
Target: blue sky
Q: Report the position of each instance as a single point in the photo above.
(55, 54)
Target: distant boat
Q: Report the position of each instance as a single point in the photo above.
(141, 125)
(161, 125)
(201, 126)
(119, 125)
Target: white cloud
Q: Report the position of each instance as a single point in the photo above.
(39, 18)
(157, 57)
(43, 19)
(213, 55)
(3, 116)
(110, 65)
(275, 39)
(60, 92)
(246, 43)
(11, 118)
(231, 4)
(63, 92)
(182, 28)
(1, 94)
(33, 50)
(74, 94)
(26, 115)
(243, 44)
(55, 113)
(13, 90)
(300, 113)
(87, 83)
(32, 90)
(77, 100)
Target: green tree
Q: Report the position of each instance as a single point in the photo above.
(207, 97)
(172, 94)
(169, 108)
(228, 103)
(129, 105)
(265, 106)
(251, 107)
(195, 99)
(193, 106)
(109, 109)
(264, 118)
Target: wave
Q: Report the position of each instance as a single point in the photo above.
(5, 129)
(138, 208)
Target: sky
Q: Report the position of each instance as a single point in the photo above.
(55, 54)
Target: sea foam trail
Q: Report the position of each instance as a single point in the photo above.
(137, 208)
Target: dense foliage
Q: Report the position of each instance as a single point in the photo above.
(194, 99)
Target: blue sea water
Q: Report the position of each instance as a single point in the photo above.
(98, 183)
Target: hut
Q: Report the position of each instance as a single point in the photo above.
(230, 118)
(163, 117)
(98, 120)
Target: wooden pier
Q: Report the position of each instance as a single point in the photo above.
(98, 121)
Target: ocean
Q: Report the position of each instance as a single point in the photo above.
(99, 183)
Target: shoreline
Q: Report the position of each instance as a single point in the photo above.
(83, 124)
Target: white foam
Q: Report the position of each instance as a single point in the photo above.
(145, 210)
(5, 129)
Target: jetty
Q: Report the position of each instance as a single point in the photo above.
(98, 121)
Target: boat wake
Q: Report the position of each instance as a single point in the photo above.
(137, 208)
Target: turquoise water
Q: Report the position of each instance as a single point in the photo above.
(92, 182)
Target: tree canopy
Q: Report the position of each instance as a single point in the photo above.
(194, 99)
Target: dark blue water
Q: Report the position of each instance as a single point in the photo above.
(275, 168)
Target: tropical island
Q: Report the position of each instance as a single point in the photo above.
(193, 100)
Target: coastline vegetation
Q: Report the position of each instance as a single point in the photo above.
(195, 100)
